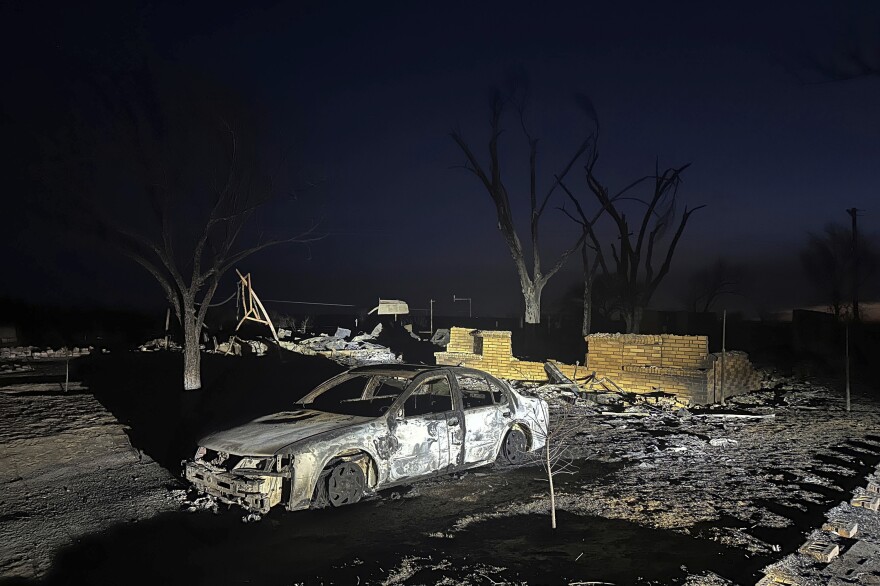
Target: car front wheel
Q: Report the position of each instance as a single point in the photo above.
(345, 485)
(514, 447)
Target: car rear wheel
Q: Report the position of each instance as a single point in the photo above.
(345, 485)
(514, 447)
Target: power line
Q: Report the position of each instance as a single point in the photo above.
(309, 303)
(227, 300)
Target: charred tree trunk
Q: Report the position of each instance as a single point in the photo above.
(532, 296)
(192, 357)
(633, 320)
(587, 326)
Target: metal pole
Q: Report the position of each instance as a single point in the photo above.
(854, 213)
(847, 368)
(468, 299)
(723, 350)
(432, 317)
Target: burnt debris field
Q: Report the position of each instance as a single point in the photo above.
(655, 493)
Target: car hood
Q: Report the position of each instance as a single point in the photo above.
(269, 434)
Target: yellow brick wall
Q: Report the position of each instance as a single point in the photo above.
(611, 352)
(460, 340)
(491, 351)
(636, 363)
(684, 351)
(673, 364)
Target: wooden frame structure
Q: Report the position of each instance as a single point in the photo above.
(252, 306)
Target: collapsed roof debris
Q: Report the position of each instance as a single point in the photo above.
(234, 347)
(360, 350)
(159, 344)
(36, 353)
(8, 367)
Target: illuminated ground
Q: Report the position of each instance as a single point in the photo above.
(87, 499)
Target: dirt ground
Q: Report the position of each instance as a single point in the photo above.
(91, 490)
(68, 470)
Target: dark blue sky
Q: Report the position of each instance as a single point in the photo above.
(365, 95)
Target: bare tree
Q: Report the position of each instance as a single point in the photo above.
(829, 262)
(195, 161)
(709, 284)
(590, 268)
(633, 257)
(634, 275)
(857, 56)
(532, 282)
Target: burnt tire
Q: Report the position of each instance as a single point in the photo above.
(345, 484)
(320, 499)
(514, 447)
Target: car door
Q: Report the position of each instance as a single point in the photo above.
(425, 430)
(484, 413)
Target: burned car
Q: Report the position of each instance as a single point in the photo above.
(367, 429)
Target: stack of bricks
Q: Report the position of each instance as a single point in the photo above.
(672, 364)
(491, 352)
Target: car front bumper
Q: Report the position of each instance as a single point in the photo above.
(254, 493)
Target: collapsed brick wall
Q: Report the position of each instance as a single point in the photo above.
(636, 363)
(492, 352)
(739, 375)
(680, 365)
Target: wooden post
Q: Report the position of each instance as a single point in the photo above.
(847, 368)
(252, 306)
(723, 350)
(67, 374)
(167, 324)
(550, 478)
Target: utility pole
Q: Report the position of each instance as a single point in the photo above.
(854, 214)
(723, 350)
(847, 367)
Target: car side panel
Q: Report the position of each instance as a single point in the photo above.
(485, 429)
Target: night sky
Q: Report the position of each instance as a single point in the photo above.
(363, 96)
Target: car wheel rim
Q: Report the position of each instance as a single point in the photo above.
(346, 484)
(515, 446)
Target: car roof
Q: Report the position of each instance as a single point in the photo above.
(406, 369)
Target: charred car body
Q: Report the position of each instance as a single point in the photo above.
(367, 429)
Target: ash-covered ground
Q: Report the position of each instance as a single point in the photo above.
(659, 495)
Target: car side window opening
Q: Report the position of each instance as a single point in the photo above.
(497, 394)
(432, 396)
(475, 391)
(384, 387)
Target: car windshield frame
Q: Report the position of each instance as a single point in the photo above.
(373, 401)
